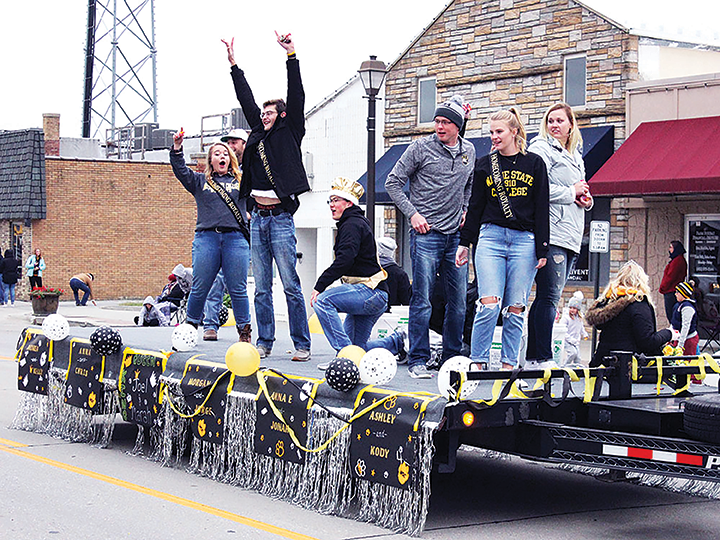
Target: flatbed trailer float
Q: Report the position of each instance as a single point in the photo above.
(674, 435)
(365, 453)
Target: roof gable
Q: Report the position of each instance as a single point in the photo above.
(22, 174)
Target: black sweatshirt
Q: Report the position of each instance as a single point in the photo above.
(355, 251)
(526, 184)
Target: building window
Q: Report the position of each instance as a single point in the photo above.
(575, 80)
(702, 238)
(427, 100)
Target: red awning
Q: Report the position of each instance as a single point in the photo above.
(664, 158)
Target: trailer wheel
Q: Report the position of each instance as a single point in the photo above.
(701, 418)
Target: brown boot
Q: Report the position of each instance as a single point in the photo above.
(245, 333)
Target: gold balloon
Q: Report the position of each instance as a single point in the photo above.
(314, 325)
(352, 352)
(243, 359)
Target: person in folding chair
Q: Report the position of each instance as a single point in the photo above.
(222, 236)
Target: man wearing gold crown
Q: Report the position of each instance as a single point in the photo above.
(363, 293)
(439, 169)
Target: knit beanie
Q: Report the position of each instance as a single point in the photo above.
(575, 302)
(452, 109)
(685, 289)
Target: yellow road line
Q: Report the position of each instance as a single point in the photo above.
(8, 442)
(249, 522)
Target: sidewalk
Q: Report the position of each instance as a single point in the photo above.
(107, 312)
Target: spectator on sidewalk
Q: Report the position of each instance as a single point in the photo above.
(9, 267)
(573, 319)
(35, 265)
(684, 318)
(82, 282)
(3, 298)
(675, 273)
(152, 314)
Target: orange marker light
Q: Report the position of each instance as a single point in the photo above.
(468, 418)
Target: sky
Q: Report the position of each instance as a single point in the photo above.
(43, 68)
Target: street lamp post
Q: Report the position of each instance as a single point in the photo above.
(372, 73)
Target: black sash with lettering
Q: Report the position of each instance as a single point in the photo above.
(34, 358)
(500, 187)
(139, 386)
(271, 434)
(198, 381)
(383, 442)
(84, 382)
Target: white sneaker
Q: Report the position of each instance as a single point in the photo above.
(323, 366)
(548, 364)
(263, 350)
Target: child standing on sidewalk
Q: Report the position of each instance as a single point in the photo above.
(575, 331)
(684, 318)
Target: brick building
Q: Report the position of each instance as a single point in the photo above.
(530, 54)
(127, 222)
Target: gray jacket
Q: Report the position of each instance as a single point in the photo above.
(567, 219)
(440, 184)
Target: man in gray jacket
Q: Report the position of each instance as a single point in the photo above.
(440, 171)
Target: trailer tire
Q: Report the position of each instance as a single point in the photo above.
(701, 418)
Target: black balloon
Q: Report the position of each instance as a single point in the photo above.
(223, 315)
(342, 375)
(105, 340)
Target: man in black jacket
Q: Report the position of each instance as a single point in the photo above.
(273, 172)
(363, 293)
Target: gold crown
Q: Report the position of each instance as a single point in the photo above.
(349, 187)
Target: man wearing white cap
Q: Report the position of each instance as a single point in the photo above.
(363, 293)
(439, 169)
(236, 140)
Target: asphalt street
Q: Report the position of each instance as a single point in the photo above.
(55, 489)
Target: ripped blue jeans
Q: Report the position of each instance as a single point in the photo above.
(505, 263)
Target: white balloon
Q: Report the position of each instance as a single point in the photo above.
(456, 363)
(377, 366)
(56, 327)
(184, 337)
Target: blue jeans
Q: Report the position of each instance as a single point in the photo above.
(211, 318)
(273, 237)
(77, 285)
(212, 251)
(550, 282)
(363, 305)
(3, 294)
(9, 292)
(505, 263)
(434, 253)
(392, 342)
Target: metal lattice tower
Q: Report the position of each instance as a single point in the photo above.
(120, 69)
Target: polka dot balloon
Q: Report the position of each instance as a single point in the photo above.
(342, 375)
(377, 366)
(456, 363)
(56, 327)
(223, 315)
(105, 341)
(184, 337)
